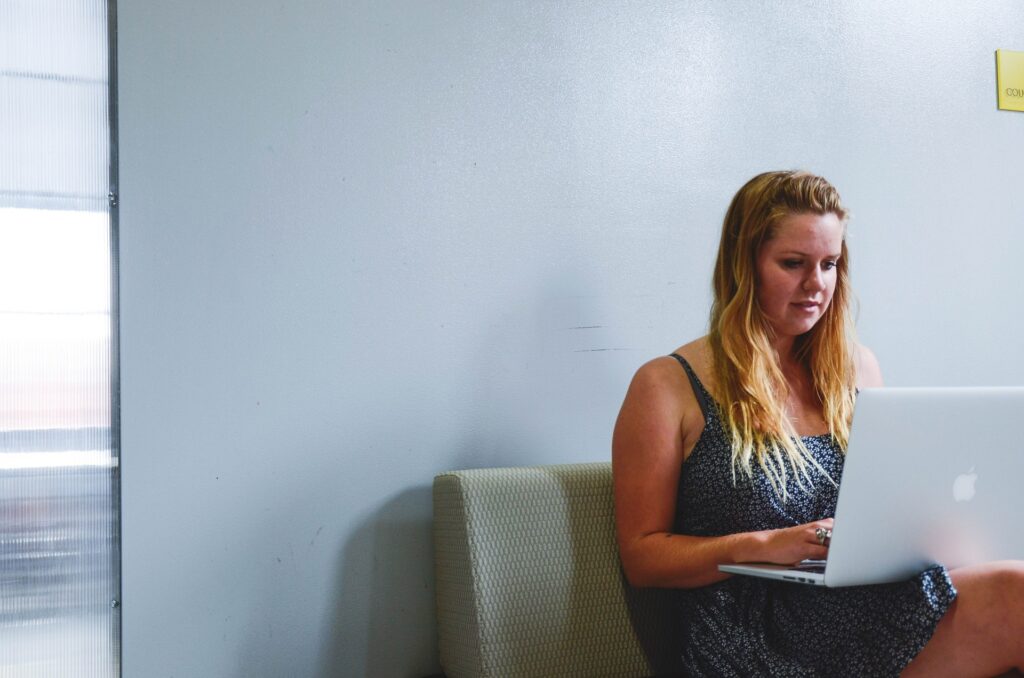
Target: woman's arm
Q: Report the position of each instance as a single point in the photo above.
(660, 418)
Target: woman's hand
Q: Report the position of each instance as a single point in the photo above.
(790, 545)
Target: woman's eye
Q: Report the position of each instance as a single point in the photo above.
(792, 263)
(828, 265)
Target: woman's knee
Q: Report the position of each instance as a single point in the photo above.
(991, 599)
(1009, 586)
(1005, 584)
(998, 607)
(1011, 575)
(1001, 580)
(982, 632)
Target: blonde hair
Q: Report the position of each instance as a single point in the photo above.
(750, 387)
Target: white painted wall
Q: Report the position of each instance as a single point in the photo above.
(365, 242)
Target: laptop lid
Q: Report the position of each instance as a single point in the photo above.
(932, 475)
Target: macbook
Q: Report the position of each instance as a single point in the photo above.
(932, 475)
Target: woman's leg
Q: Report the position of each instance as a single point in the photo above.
(982, 634)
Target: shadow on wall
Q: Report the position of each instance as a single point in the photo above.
(529, 393)
(384, 596)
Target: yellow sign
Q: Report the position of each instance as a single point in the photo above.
(1010, 79)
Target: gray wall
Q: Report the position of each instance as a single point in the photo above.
(365, 242)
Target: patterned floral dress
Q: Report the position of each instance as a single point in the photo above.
(747, 626)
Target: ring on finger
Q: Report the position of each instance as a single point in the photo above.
(823, 535)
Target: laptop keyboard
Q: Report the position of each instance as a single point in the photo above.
(816, 566)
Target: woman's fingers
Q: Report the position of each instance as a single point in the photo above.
(800, 542)
(820, 532)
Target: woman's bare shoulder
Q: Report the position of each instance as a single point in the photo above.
(665, 372)
(698, 354)
(661, 392)
(657, 379)
(661, 382)
(869, 373)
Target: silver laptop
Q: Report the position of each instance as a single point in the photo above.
(932, 475)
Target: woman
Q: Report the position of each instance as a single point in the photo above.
(731, 450)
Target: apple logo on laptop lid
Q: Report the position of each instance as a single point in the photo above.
(963, 486)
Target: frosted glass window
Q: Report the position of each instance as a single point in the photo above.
(59, 550)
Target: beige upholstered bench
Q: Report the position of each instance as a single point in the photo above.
(529, 582)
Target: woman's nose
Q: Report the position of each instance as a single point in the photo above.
(815, 281)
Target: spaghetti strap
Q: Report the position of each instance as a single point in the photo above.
(698, 388)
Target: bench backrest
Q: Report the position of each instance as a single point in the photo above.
(529, 581)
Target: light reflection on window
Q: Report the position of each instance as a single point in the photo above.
(54, 319)
(57, 550)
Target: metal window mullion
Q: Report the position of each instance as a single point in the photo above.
(115, 335)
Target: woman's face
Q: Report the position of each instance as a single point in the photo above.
(796, 271)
